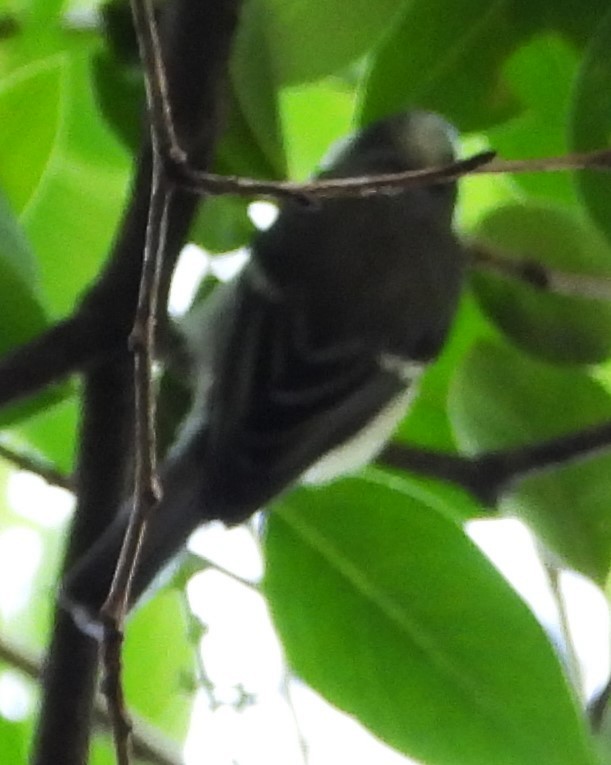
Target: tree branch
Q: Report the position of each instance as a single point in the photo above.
(182, 172)
(197, 37)
(70, 673)
(489, 476)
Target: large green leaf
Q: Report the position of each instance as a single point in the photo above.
(557, 327)
(119, 92)
(52, 431)
(449, 56)
(446, 57)
(222, 224)
(591, 122)
(427, 421)
(72, 218)
(540, 74)
(387, 608)
(22, 314)
(20, 307)
(501, 398)
(307, 136)
(312, 38)
(14, 740)
(30, 109)
(254, 83)
(160, 687)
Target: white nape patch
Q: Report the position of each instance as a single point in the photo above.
(334, 152)
(360, 450)
(263, 214)
(193, 264)
(429, 138)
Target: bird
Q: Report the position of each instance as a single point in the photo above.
(305, 362)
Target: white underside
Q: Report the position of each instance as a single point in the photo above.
(364, 446)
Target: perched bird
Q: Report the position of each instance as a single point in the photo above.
(306, 361)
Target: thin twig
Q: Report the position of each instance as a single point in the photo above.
(210, 183)
(480, 164)
(147, 491)
(599, 160)
(179, 170)
(37, 466)
(146, 487)
(540, 276)
(158, 98)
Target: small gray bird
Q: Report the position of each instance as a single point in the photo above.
(307, 360)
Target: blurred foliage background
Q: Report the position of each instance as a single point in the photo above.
(381, 601)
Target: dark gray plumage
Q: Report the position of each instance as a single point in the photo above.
(316, 344)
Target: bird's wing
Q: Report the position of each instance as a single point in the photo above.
(278, 404)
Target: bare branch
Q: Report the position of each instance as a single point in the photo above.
(210, 183)
(490, 475)
(70, 672)
(147, 491)
(185, 176)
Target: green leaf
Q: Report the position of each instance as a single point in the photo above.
(222, 224)
(450, 57)
(541, 74)
(427, 421)
(30, 108)
(446, 57)
(52, 429)
(591, 122)
(14, 740)
(21, 312)
(254, 84)
(312, 38)
(239, 151)
(155, 680)
(556, 327)
(45, 11)
(72, 219)
(15, 249)
(120, 96)
(387, 608)
(501, 398)
(102, 751)
(308, 137)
